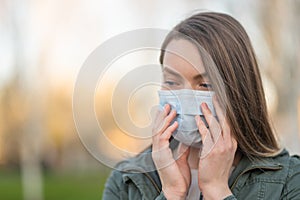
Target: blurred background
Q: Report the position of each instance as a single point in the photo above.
(45, 42)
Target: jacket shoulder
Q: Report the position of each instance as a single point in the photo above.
(129, 180)
(294, 171)
(292, 186)
(114, 186)
(294, 165)
(290, 163)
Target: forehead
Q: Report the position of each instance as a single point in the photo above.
(183, 56)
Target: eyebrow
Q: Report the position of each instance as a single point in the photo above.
(200, 76)
(173, 72)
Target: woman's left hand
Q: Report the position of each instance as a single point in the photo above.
(217, 153)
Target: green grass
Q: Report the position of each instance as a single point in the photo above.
(10, 185)
(66, 186)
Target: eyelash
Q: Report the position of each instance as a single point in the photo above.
(206, 85)
(173, 83)
(170, 83)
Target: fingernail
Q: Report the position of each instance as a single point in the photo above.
(204, 105)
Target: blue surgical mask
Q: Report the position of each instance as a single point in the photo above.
(187, 105)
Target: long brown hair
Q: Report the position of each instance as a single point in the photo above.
(240, 88)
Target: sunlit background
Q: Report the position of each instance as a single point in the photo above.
(45, 42)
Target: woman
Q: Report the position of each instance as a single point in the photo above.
(239, 155)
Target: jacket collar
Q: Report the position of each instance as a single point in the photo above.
(246, 165)
(145, 182)
(142, 172)
(141, 169)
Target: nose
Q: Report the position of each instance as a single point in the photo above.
(189, 85)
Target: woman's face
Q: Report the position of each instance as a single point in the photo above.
(183, 67)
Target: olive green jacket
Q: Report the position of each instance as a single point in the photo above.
(268, 178)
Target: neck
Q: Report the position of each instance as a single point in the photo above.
(193, 159)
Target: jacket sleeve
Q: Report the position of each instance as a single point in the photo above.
(292, 186)
(231, 197)
(161, 196)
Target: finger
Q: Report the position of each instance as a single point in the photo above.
(207, 139)
(220, 114)
(201, 127)
(212, 122)
(166, 135)
(162, 140)
(161, 114)
(158, 132)
(163, 122)
(228, 138)
(162, 143)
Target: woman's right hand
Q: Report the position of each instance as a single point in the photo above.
(174, 174)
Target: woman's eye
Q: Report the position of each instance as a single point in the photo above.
(171, 83)
(206, 85)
